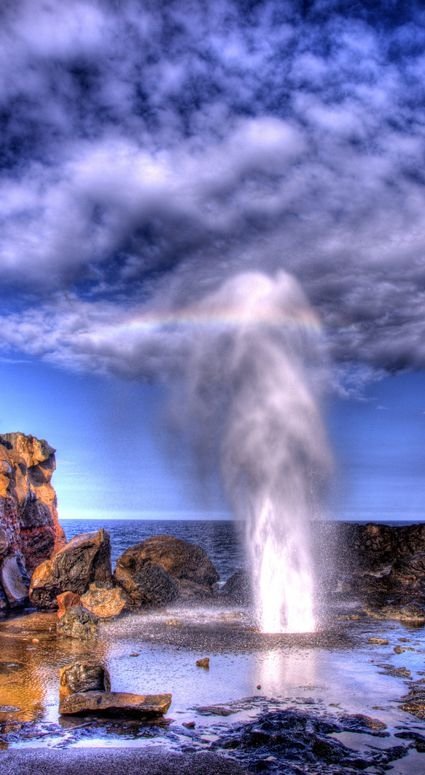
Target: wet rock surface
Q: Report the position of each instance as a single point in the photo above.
(115, 703)
(83, 560)
(383, 565)
(163, 568)
(77, 623)
(295, 741)
(238, 588)
(414, 702)
(83, 676)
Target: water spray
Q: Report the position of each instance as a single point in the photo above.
(254, 382)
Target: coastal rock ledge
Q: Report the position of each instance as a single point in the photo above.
(29, 525)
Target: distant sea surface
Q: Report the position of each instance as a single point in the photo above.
(219, 538)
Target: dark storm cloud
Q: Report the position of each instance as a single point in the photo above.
(149, 152)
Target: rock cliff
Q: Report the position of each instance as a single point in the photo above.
(29, 526)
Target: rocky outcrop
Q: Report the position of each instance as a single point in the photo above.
(29, 527)
(380, 564)
(82, 561)
(162, 568)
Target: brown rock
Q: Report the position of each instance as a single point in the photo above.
(28, 509)
(104, 603)
(85, 559)
(204, 662)
(14, 580)
(378, 641)
(176, 566)
(77, 623)
(66, 600)
(116, 703)
(83, 676)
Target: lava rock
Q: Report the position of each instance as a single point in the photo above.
(14, 580)
(147, 585)
(104, 603)
(115, 703)
(77, 623)
(238, 588)
(85, 559)
(83, 676)
(174, 566)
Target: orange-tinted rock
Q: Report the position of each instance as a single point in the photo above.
(103, 602)
(85, 559)
(29, 525)
(66, 600)
(115, 703)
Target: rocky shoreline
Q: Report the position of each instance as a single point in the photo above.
(367, 573)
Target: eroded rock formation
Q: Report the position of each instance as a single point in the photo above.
(29, 526)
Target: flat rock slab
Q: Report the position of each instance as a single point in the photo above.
(114, 761)
(116, 704)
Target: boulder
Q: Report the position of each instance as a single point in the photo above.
(83, 676)
(14, 580)
(115, 703)
(85, 559)
(238, 588)
(147, 585)
(104, 603)
(77, 623)
(176, 567)
(66, 600)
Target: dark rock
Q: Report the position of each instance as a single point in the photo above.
(238, 588)
(83, 676)
(77, 623)
(116, 703)
(292, 741)
(14, 580)
(378, 563)
(174, 566)
(147, 584)
(85, 559)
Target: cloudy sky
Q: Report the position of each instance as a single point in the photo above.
(150, 151)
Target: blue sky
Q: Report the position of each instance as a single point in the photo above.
(116, 459)
(172, 170)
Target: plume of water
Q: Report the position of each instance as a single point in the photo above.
(254, 380)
